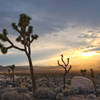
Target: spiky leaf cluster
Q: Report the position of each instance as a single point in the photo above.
(24, 20)
(34, 37)
(3, 37)
(1, 45)
(30, 29)
(14, 26)
(4, 50)
(5, 32)
(12, 67)
(18, 39)
(25, 33)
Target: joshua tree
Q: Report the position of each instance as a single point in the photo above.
(92, 75)
(12, 68)
(65, 67)
(9, 73)
(83, 72)
(25, 37)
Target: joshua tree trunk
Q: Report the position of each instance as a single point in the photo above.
(9, 75)
(13, 75)
(64, 80)
(32, 73)
(94, 86)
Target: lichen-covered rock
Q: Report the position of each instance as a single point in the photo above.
(21, 90)
(77, 97)
(98, 91)
(9, 95)
(44, 93)
(59, 96)
(82, 83)
(57, 90)
(91, 97)
(70, 91)
(13, 95)
(51, 84)
(52, 95)
(6, 90)
(98, 98)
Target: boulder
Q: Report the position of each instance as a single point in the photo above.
(42, 93)
(52, 95)
(57, 90)
(13, 95)
(22, 90)
(82, 83)
(91, 97)
(59, 96)
(45, 93)
(68, 92)
(6, 90)
(77, 97)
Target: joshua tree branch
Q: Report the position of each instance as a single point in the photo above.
(69, 68)
(18, 30)
(13, 46)
(29, 46)
(9, 47)
(63, 61)
(67, 62)
(61, 65)
(31, 40)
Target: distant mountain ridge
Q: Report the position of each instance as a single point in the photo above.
(18, 68)
(26, 68)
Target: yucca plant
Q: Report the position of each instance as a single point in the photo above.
(25, 37)
(66, 68)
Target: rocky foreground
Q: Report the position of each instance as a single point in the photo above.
(79, 88)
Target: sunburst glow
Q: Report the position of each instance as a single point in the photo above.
(88, 54)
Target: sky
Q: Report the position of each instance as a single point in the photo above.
(69, 27)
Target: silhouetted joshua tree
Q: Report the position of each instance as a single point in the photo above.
(92, 75)
(9, 73)
(25, 37)
(65, 67)
(83, 72)
(12, 68)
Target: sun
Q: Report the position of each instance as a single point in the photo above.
(88, 54)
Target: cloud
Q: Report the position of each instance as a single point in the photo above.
(61, 25)
(96, 49)
(90, 35)
(50, 16)
(48, 47)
